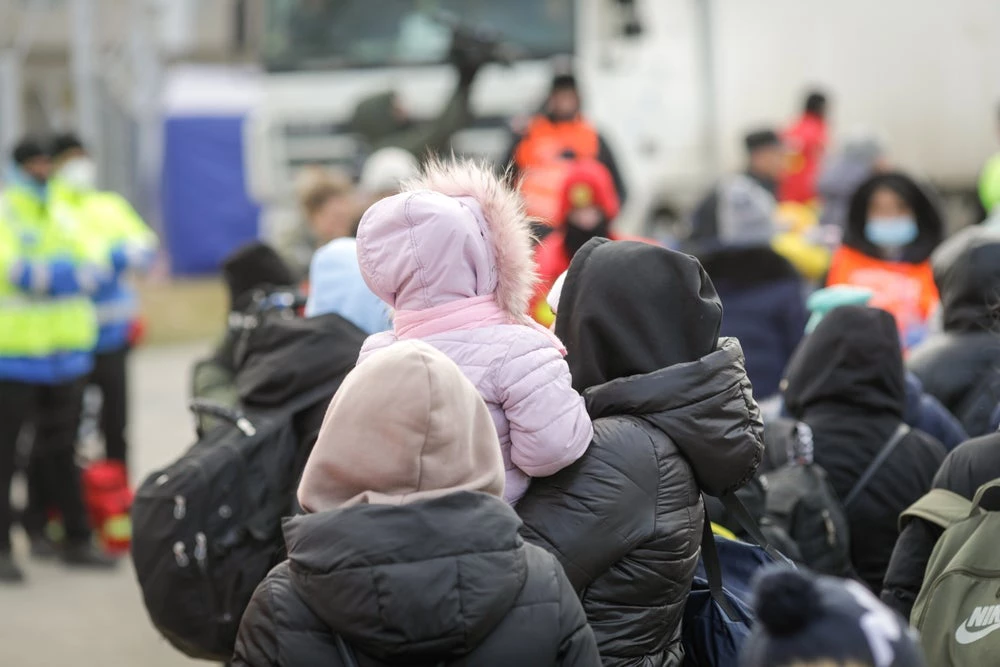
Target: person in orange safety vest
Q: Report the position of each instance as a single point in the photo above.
(893, 227)
(552, 140)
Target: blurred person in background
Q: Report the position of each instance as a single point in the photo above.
(761, 292)
(923, 411)
(384, 172)
(253, 274)
(588, 206)
(330, 209)
(846, 382)
(843, 172)
(960, 366)
(49, 269)
(765, 165)
(131, 246)
(989, 181)
(807, 141)
(893, 227)
(543, 154)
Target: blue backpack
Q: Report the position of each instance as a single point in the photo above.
(718, 616)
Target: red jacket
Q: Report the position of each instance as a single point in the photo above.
(806, 141)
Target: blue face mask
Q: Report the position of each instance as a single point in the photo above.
(894, 232)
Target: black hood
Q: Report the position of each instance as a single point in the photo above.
(736, 268)
(967, 273)
(630, 308)
(852, 359)
(925, 210)
(641, 326)
(424, 583)
(286, 357)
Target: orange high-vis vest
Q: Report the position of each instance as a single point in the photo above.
(541, 157)
(905, 290)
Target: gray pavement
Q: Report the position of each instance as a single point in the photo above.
(63, 617)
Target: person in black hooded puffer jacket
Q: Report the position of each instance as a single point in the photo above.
(674, 416)
(846, 382)
(961, 366)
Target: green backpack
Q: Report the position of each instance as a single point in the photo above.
(958, 609)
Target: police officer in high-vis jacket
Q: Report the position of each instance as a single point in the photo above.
(106, 218)
(48, 328)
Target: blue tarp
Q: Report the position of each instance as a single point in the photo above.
(207, 212)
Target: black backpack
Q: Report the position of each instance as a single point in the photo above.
(207, 528)
(802, 502)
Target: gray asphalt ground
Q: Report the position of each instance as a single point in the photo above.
(62, 617)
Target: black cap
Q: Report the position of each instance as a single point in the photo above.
(27, 150)
(564, 82)
(761, 139)
(63, 143)
(254, 266)
(816, 102)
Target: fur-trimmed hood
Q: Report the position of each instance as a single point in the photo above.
(457, 231)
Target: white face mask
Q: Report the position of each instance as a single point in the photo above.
(79, 173)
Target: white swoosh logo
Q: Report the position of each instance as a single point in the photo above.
(963, 636)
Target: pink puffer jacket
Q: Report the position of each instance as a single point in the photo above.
(452, 255)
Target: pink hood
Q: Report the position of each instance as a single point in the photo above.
(457, 232)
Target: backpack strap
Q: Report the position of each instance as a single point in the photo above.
(940, 507)
(883, 456)
(980, 492)
(713, 568)
(738, 510)
(346, 654)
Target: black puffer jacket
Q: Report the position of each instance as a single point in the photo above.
(967, 468)
(441, 582)
(846, 382)
(961, 366)
(673, 415)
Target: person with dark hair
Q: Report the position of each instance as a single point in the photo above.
(541, 156)
(807, 140)
(893, 226)
(765, 165)
(960, 366)
(131, 247)
(846, 382)
(674, 416)
(253, 274)
(49, 268)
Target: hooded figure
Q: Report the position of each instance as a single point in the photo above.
(893, 227)
(407, 554)
(761, 292)
(967, 468)
(846, 383)
(451, 255)
(674, 415)
(961, 365)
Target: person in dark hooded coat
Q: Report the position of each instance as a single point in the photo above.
(846, 382)
(961, 366)
(894, 224)
(967, 468)
(407, 555)
(674, 416)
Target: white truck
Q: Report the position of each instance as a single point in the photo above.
(673, 84)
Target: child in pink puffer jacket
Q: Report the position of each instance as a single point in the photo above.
(452, 255)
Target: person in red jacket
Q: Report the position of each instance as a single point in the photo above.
(806, 140)
(588, 206)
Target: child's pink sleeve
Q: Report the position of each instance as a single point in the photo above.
(549, 424)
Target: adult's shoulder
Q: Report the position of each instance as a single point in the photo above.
(970, 465)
